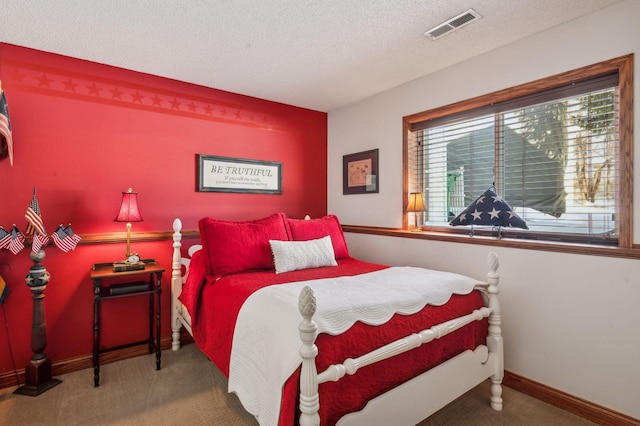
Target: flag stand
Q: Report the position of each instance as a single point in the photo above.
(38, 371)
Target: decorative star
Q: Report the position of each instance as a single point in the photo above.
(29, 280)
(480, 199)
(476, 215)
(44, 81)
(46, 276)
(175, 104)
(511, 213)
(497, 198)
(137, 97)
(94, 89)
(70, 85)
(462, 217)
(156, 101)
(17, 75)
(494, 213)
(116, 94)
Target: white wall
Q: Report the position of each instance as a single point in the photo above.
(570, 321)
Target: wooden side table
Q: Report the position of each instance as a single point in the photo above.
(136, 283)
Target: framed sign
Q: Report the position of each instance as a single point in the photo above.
(225, 174)
(360, 172)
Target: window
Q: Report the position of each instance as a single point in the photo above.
(558, 150)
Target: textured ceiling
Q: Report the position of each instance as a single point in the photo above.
(317, 54)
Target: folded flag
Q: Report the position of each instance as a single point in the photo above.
(65, 239)
(5, 238)
(6, 140)
(4, 289)
(17, 241)
(489, 209)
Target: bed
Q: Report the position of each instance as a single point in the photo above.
(297, 325)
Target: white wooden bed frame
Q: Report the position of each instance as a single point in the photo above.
(406, 404)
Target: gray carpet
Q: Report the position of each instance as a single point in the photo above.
(189, 390)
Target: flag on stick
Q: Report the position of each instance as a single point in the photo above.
(17, 241)
(35, 225)
(34, 220)
(6, 140)
(5, 238)
(39, 241)
(65, 239)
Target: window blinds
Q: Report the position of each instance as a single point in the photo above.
(553, 156)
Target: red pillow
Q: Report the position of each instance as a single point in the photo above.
(312, 229)
(232, 246)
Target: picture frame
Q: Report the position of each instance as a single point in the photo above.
(228, 174)
(360, 173)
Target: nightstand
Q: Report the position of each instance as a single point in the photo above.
(145, 281)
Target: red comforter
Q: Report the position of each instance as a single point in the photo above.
(214, 303)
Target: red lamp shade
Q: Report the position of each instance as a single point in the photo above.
(129, 208)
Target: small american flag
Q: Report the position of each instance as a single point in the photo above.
(6, 140)
(34, 220)
(65, 239)
(39, 241)
(17, 241)
(5, 238)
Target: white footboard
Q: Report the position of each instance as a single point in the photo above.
(417, 399)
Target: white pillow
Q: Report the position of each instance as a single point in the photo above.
(295, 255)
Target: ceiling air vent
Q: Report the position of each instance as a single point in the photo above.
(452, 24)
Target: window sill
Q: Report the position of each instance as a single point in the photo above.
(592, 250)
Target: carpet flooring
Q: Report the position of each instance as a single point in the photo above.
(189, 390)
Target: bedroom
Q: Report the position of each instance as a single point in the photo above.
(581, 342)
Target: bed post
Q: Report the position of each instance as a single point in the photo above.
(176, 284)
(309, 398)
(494, 339)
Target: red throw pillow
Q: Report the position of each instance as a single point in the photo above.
(312, 229)
(236, 246)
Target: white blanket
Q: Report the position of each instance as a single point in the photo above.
(266, 340)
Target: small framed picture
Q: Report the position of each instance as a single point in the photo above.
(360, 173)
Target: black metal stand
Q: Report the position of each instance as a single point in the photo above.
(38, 372)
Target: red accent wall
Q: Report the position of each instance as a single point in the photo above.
(84, 132)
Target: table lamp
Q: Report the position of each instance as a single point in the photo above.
(129, 213)
(416, 205)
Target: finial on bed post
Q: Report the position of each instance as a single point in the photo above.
(176, 283)
(309, 399)
(494, 340)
